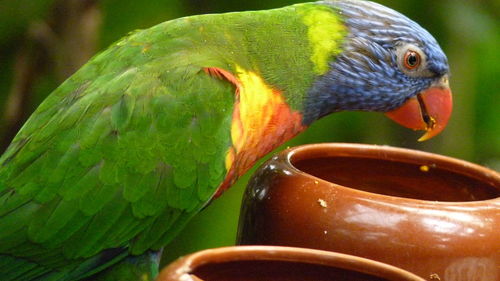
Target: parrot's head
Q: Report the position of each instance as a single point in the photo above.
(388, 64)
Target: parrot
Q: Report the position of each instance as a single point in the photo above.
(117, 159)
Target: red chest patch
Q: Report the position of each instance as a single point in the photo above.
(262, 121)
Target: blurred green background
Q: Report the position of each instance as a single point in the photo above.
(43, 41)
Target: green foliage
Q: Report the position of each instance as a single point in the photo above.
(16, 15)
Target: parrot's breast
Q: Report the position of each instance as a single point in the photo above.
(262, 120)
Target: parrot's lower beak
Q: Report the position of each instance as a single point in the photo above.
(429, 110)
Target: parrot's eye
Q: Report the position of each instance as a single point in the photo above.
(411, 60)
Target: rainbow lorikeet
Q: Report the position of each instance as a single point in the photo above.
(115, 162)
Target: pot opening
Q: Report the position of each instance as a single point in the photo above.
(393, 178)
(277, 270)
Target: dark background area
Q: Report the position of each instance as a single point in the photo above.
(42, 42)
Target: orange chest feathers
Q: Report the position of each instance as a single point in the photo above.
(262, 120)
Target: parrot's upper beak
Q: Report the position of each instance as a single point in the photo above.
(429, 110)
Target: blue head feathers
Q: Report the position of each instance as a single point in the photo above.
(372, 72)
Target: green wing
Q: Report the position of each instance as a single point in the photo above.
(120, 156)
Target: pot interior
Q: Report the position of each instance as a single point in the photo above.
(395, 178)
(277, 271)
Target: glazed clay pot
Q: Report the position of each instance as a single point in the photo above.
(271, 263)
(435, 216)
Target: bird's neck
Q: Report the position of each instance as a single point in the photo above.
(285, 47)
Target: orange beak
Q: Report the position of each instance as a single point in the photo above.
(430, 110)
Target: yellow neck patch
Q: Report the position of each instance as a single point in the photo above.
(325, 34)
(256, 103)
(262, 121)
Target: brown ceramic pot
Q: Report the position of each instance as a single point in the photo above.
(271, 263)
(435, 216)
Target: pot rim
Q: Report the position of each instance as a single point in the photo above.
(184, 266)
(394, 154)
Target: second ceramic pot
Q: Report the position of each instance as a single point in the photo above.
(271, 263)
(432, 215)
